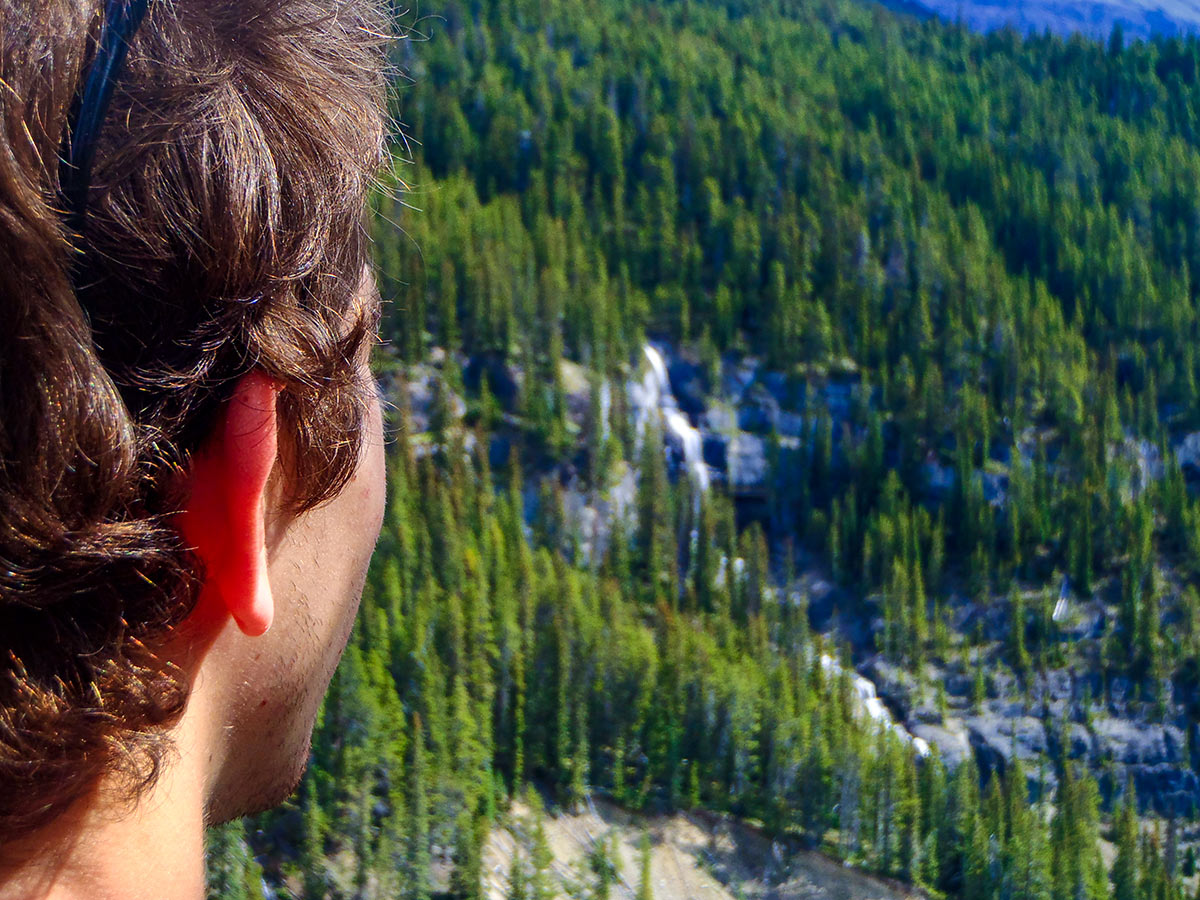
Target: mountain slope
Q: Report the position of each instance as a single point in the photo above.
(929, 313)
(1094, 18)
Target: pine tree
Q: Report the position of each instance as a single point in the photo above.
(579, 765)
(312, 852)
(653, 535)
(416, 869)
(1124, 873)
(541, 885)
(1076, 865)
(466, 877)
(232, 871)
(908, 821)
(602, 862)
(1018, 651)
(645, 856)
(518, 880)
(693, 791)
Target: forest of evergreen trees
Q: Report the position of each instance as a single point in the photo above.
(990, 239)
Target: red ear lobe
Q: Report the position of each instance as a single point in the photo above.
(224, 519)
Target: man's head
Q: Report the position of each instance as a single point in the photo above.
(188, 436)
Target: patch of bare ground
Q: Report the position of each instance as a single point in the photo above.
(693, 857)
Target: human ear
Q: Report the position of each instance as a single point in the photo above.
(223, 518)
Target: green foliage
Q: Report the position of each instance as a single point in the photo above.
(645, 885)
(1125, 867)
(233, 873)
(987, 239)
(518, 880)
(971, 259)
(541, 858)
(642, 700)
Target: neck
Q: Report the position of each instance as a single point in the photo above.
(106, 849)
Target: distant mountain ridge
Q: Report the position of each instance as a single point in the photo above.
(1093, 18)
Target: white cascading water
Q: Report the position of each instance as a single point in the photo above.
(872, 707)
(605, 409)
(656, 394)
(693, 455)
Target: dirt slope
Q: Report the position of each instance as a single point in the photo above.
(692, 858)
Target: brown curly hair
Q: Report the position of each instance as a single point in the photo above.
(225, 231)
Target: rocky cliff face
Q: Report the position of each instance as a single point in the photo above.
(1056, 719)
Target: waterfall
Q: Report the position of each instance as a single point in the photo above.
(605, 409)
(872, 707)
(653, 399)
(653, 396)
(693, 455)
(658, 370)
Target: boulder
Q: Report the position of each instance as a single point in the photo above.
(420, 384)
(950, 739)
(687, 384)
(1056, 685)
(503, 380)
(758, 410)
(718, 419)
(995, 487)
(1166, 789)
(992, 621)
(1151, 755)
(1135, 743)
(1077, 739)
(1147, 463)
(997, 738)
(1187, 452)
(822, 603)
(836, 397)
(1083, 620)
(738, 376)
(958, 684)
(939, 479)
(791, 425)
(748, 469)
(714, 447)
(780, 387)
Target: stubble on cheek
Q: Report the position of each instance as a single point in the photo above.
(318, 601)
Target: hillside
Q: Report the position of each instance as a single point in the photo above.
(1092, 18)
(797, 421)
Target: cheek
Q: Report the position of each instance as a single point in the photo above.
(364, 510)
(375, 466)
(361, 514)
(324, 564)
